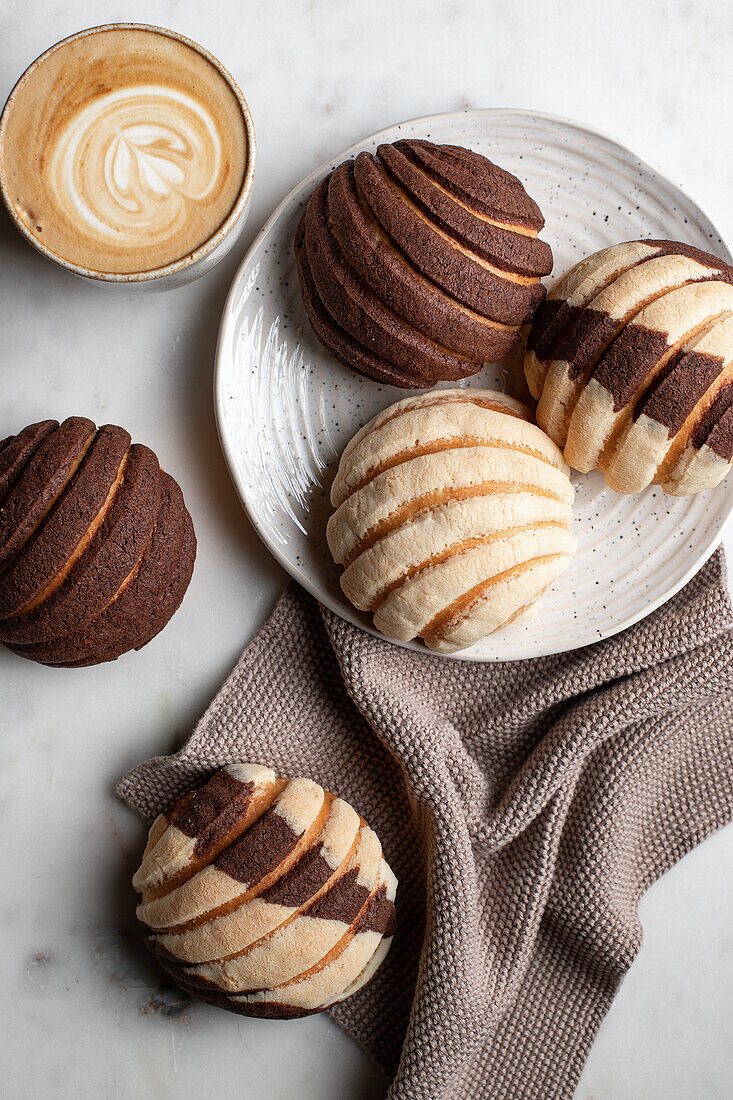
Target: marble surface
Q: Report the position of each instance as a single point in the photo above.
(83, 1011)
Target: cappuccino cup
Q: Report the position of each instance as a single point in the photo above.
(127, 155)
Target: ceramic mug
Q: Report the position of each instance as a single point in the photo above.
(205, 255)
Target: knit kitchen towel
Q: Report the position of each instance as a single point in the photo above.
(525, 808)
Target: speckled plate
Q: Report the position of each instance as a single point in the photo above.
(286, 408)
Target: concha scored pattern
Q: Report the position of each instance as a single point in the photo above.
(452, 517)
(631, 360)
(420, 263)
(266, 896)
(96, 545)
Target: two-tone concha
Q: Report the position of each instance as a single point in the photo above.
(631, 360)
(266, 896)
(421, 262)
(453, 516)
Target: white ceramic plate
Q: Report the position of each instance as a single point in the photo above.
(286, 408)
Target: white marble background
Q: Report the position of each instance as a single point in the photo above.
(83, 1011)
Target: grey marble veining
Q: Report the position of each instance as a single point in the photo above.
(83, 1010)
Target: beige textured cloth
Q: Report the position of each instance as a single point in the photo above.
(525, 808)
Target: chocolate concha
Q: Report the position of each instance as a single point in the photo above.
(453, 516)
(420, 263)
(266, 896)
(96, 545)
(631, 361)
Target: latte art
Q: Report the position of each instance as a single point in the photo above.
(123, 150)
(129, 163)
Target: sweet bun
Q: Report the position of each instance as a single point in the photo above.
(420, 263)
(266, 896)
(631, 361)
(452, 516)
(96, 545)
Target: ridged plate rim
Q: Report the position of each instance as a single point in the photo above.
(320, 591)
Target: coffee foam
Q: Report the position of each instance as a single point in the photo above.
(123, 150)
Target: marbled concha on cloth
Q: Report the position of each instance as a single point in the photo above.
(420, 262)
(266, 896)
(631, 361)
(525, 807)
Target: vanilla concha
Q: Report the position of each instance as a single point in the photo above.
(631, 361)
(453, 515)
(266, 896)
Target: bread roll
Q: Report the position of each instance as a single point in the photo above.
(421, 262)
(266, 896)
(631, 360)
(96, 544)
(452, 517)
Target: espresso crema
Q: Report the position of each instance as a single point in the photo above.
(123, 150)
